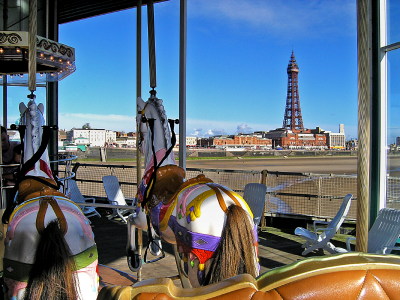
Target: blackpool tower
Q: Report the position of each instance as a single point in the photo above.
(293, 119)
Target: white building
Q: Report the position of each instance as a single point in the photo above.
(111, 136)
(191, 141)
(95, 137)
(126, 142)
(337, 140)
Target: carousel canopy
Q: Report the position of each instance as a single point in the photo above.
(73, 10)
(54, 61)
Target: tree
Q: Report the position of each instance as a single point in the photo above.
(86, 126)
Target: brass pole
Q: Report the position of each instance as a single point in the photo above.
(364, 102)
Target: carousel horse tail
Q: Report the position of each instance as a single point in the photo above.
(52, 275)
(235, 253)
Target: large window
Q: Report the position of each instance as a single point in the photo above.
(392, 86)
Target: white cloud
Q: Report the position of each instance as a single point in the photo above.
(243, 128)
(201, 128)
(289, 18)
(206, 128)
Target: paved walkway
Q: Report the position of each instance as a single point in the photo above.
(277, 247)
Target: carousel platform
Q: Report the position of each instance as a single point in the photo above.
(278, 246)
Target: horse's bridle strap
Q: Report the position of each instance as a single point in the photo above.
(142, 114)
(44, 203)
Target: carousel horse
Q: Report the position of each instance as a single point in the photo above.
(50, 251)
(211, 225)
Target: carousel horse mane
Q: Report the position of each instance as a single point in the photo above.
(233, 256)
(35, 121)
(47, 281)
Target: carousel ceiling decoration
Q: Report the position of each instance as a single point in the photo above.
(54, 61)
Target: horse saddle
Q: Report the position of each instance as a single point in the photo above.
(31, 188)
(168, 180)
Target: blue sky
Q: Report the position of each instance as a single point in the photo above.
(237, 55)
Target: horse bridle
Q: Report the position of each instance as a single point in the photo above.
(150, 185)
(20, 174)
(149, 188)
(142, 119)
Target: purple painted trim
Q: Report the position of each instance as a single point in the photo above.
(193, 239)
(255, 233)
(256, 240)
(155, 218)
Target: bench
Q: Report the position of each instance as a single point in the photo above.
(342, 276)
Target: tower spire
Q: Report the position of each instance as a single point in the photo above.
(292, 119)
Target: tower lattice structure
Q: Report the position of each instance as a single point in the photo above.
(293, 119)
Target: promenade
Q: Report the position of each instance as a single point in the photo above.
(321, 165)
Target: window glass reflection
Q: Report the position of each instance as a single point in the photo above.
(393, 21)
(393, 127)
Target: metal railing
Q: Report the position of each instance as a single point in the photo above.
(64, 173)
(308, 194)
(296, 195)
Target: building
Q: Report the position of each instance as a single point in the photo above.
(206, 142)
(95, 137)
(250, 140)
(126, 142)
(352, 144)
(82, 141)
(111, 137)
(191, 141)
(337, 140)
(305, 139)
(62, 135)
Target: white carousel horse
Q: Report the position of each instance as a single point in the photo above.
(211, 224)
(50, 251)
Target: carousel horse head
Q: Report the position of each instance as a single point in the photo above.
(36, 162)
(32, 119)
(155, 142)
(151, 120)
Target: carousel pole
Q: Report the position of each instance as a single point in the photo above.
(152, 45)
(364, 102)
(182, 116)
(32, 47)
(5, 27)
(139, 94)
(182, 83)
